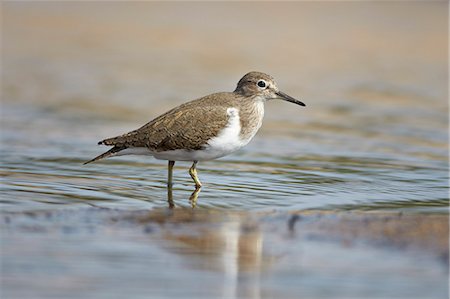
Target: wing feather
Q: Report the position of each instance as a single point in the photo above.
(188, 126)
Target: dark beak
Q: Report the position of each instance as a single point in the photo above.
(288, 98)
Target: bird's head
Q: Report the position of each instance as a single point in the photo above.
(256, 84)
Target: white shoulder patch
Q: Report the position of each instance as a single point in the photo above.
(228, 138)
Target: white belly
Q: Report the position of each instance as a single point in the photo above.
(199, 155)
(227, 141)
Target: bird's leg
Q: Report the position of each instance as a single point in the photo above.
(193, 173)
(170, 176)
(170, 198)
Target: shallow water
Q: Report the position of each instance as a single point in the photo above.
(372, 137)
(105, 253)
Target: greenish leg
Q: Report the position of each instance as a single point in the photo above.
(193, 173)
(170, 198)
(170, 174)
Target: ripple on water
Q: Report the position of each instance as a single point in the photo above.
(245, 183)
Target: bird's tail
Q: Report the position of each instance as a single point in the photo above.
(107, 154)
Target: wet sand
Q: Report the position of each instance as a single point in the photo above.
(207, 253)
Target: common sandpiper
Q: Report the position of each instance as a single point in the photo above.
(203, 129)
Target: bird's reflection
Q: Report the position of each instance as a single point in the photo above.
(223, 242)
(192, 198)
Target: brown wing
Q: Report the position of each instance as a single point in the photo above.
(188, 126)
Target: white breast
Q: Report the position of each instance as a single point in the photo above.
(228, 139)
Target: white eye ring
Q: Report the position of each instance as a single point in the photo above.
(262, 84)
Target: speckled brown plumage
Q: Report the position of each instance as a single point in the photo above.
(188, 126)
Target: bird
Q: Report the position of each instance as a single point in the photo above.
(203, 129)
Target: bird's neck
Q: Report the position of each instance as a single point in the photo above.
(251, 114)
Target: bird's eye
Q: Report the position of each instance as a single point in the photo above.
(261, 83)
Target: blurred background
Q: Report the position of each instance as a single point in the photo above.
(373, 76)
(373, 135)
